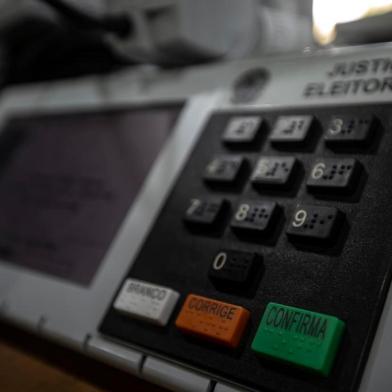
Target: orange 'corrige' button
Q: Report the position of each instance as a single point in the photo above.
(213, 320)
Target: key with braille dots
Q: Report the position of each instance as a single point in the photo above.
(330, 175)
(318, 223)
(242, 130)
(292, 130)
(298, 336)
(274, 172)
(234, 269)
(205, 212)
(225, 169)
(254, 217)
(349, 131)
(212, 320)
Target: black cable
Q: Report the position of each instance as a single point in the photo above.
(119, 25)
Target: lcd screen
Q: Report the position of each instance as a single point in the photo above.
(67, 182)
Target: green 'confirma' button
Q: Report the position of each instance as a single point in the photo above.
(303, 338)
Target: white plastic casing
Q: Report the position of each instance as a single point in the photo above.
(72, 314)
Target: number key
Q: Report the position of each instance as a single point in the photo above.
(225, 169)
(274, 172)
(254, 217)
(315, 223)
(242, 130)
(206, 213)
(232, 269)
(349, 131)
(292, 130)
(334, 175)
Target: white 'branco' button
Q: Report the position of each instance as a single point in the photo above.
(146, 301)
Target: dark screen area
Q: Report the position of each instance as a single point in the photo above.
(67, 182)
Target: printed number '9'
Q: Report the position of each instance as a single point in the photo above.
(300, 218)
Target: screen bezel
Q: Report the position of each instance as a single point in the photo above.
(63, 310)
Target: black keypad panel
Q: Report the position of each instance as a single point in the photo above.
(225, 169)
(233, 269)
(314, 223)
(274, 172)
(205, 212)
(294, 130)
(302, 229)
(349, 131)
(334, 175)
(242, 130)
(254, 216)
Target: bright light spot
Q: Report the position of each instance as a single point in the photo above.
(327, 13)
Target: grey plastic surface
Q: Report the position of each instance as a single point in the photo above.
(121, 357)
(377, 376)
(225, 388)
(173, 377)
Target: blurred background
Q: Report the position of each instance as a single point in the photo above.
(56, 39)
